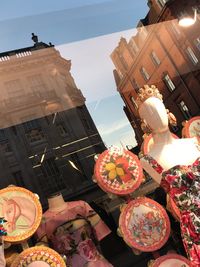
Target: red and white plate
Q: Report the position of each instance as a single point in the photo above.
(39, 257)
(192, 128)
(118, 171)
(171, 260)
(144, 224)
(23, 212)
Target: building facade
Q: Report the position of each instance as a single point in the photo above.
(165, 54)
(47, 139)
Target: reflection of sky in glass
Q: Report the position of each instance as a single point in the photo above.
(62, 22)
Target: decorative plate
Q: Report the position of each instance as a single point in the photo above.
(171, 260)
(192, 128)
(144, 224)
(22, 211)
(173, 208)
(39, 257)
(118, 171)
(148, 142)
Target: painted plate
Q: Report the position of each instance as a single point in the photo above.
(148, 142)
(39, 257)
(144, 224)
(171, 260)
(192, 128)
(23, 212)
(118, 171)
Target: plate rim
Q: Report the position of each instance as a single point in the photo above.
(124, 230)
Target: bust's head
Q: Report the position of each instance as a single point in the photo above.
(153, 112)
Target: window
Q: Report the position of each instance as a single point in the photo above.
(162, 2)
(144, 73)
(155, 59)
(123, 61)
(134, 102)
(135, 85)
(4, 143)
(36, 83)
(133, 46)
(33, 131)
(62, 130)
(175, 27)
(167, 80)
(185, 110)
(192, 55)
(14, 89)
(49, 167)
(197, 43)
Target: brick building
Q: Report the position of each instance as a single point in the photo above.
(165, 54)
(47, 139)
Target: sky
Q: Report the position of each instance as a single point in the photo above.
(86, 32)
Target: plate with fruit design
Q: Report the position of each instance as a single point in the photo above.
(118, 171)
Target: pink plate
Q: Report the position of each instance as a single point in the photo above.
(144, 224)
(118, 171)
(171, 260)
(23, 212)
(38, 257)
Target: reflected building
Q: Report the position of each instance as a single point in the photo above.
(165, 54)
(47, 139)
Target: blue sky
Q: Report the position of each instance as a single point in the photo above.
(85, 31)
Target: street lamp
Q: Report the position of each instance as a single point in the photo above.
(188, 20)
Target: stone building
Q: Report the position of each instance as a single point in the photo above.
(47, 139)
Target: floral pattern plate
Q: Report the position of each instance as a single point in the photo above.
(148, 141)
(144, 224)
(118, 171)
(39, 257)
(192, 128)
(22, 211)
(171, 260)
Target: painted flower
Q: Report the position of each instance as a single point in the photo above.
(87, 250)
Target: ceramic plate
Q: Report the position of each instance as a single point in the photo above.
(23, 212)
(118, 171)
(171, 260)
(192, 128)
(39, 257)
(144, 224)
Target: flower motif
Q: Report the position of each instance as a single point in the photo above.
(87, 250)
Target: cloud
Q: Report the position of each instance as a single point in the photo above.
(106, 129)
